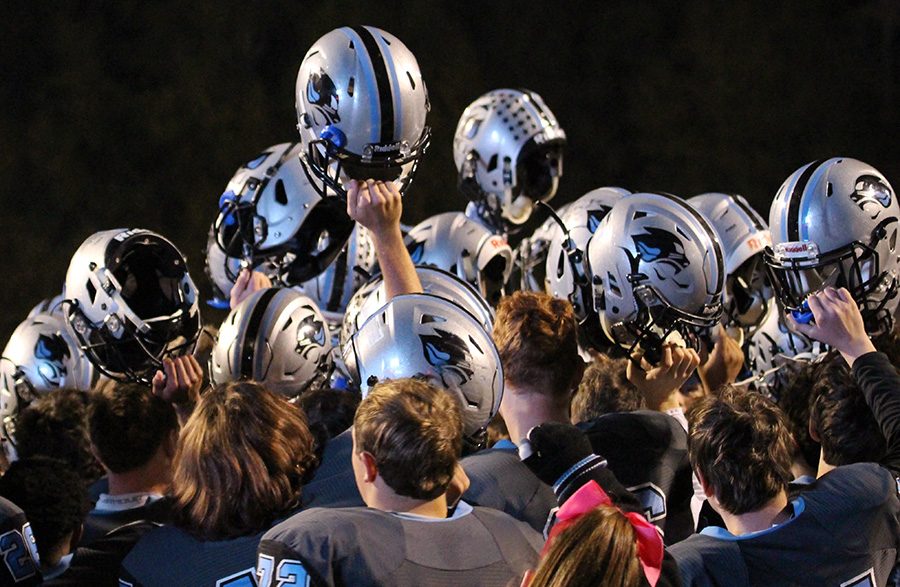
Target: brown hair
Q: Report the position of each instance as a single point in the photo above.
(127, 424)
(740, 443)
(241, 461)
(605, 389)
(414, 432)
(536, 336)
(599, 548)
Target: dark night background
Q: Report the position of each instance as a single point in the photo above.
(135, 113)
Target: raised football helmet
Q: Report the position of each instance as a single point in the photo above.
(437, 282)
(131, 302)
(775, 353)
(464, 247)
(531, 255)
(656, 269)
(277, 337)
(743, 235)
(421, 335)
(508, 149)
(361, 108)
(835, 223)
(271, 215)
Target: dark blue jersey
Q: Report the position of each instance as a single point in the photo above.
(365, 546)
(498, 479)
(844, 531)
(647, 451)
(333, 484)
(20, 562)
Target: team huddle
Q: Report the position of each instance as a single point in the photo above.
(646, 390)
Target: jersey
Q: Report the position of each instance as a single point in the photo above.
(498, 479)
(21, 565)
(365, 546)
(647, 451)
(168, 556)
(333, 484)
(105, 518)
(844, 531)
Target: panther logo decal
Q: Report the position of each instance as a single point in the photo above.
(871, 194)
(449, 355)
(53, 351)
(663, 251)
(322, 94)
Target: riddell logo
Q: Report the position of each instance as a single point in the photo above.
(497, 243)
(795, 248)
(387, 148)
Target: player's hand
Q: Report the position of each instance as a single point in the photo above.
(552, 449)
(724, 362)
(377, 205)
(246, 283)
(179, 383)
(838, 323)
(459, 484)
(658, 383)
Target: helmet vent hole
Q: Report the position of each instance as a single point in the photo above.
(829, 189)
(92, 291)
(383, 38)
(475, 344)
(351, 86)
(430, 318)
(893, 241)
(412, 82)
(613, 284)
(681, 232)
(351, 47)
(288, 323)
(280, 193)
(492, 164)
(638, 215)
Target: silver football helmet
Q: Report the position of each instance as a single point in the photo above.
(277, 337)
(333, 289)
(464, 247)
(437, 282)
(835, 223)
(271, 215)
(421, 335)
(361, 108)
(531, 255)
(775, 353)
(656, 269)
(508, 149)
(131, 302)
(52, 306)
(743, 235)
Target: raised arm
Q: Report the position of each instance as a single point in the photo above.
(377, 205)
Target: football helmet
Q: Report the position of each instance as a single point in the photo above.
(743, 235)
(361, 108)
(835, 223)
(656, 269)
(421, 335)
(131, 302)
(277, 337)
(508, 150)
(437, 282)
(464, 247)
(52, 305)
(531, 254)
(775, 353)
(271, 215)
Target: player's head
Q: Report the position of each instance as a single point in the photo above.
(743, 235)
(131, 302)
(464, 247)
(129, 426)
(599, 548)
(361, 107)
(605, 389)
(835, 224)
(271, 217)
(741, 448)
(40, 357)
(536, 337)
(54, 500)
(508, 150)
(275, 336)
(55, 425)
(328, 413)
(841, 420)
(413, 434)
(656, 269)
(243, 456)
(425, 336)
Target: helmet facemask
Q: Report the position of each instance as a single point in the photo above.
(747, 293)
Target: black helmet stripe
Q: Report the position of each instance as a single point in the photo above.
(382, 81)
(248, 348)
(751, 214)
(796, 197)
